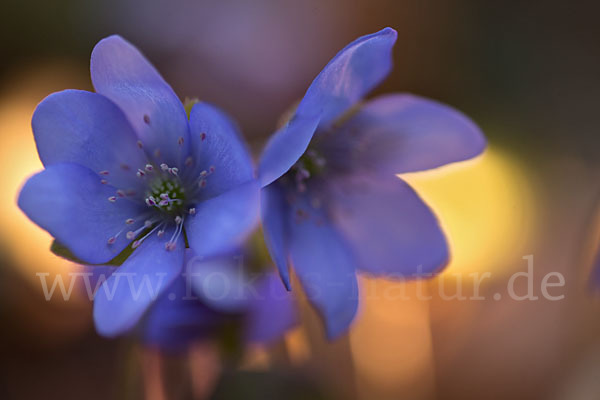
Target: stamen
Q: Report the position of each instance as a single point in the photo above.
(139, 144)
(129, 221)
(140, 173)
(192, 211)
(147, 119)
(104, 172)
(164, 167)
(113, 239)
(149, 167)
(139, 241)
(180, 141)
(112, 199)
(120, 193)
(103, 181)
(172, 243)
(202, 136)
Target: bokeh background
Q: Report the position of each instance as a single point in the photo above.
(527, 72)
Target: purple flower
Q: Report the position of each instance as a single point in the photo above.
(212, 293)
(331, 202)
(125, 168)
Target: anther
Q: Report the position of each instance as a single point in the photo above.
(120, 193)
(103, 181)
(174, 171)
(189, 161)
(111, 240)
(112, 199)
(147, 119)
(105, 172)
(130, 235)
(202, 136)
(140, 144)
(160, 233)
(164, 167)
(140, 173)
(180, 141)
(136, 244)
(178, 220)
(192, 211)
(129, 221)
(149, 167)
(147, 223)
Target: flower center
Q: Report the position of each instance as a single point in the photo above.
(166, 195)
(310, 164)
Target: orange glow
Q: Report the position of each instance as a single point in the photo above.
(391, 339)
(28, 245)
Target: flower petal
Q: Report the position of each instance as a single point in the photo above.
(69, 202)
(222, 222)
(177, 319)
(325, 266)
(271, 313)
(124, 298)
(274, 214)
(349, 76)
(216, 142)
(121, 73)
(403, 133)
(221, 282)
(88, 129)
(390, 228)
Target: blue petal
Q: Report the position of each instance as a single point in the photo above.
(217, 142)
(221, 282)
(272, 311)
(88, 129)
(177, 319)
(69, 202)
(146, 274)
(390, 228)
(403, 133)
(222, 222)
(274, 215)
(121, 73)
(325, 266)
(349, 76)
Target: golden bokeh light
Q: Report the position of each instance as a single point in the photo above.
(27, 244)
(485, 207)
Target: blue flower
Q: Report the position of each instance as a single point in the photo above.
(213, 292)
(126, 168)
(331, 202)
